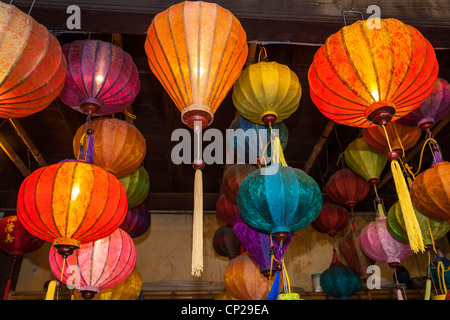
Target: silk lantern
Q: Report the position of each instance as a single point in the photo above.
(137, 221)
(137, 186)
(226, 211)
(430, 192)
(196, 50)
(331, 219)
(71, 203)
(32, 66)
(267, 92)
(243, 279)
(233, 177)
(350, 249)
(279, 200)
(119, 146)
(97, 265)
(340, 281)
(101, 78)
(432, 229)
(226, 243)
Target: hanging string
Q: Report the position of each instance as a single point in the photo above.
(8, 284)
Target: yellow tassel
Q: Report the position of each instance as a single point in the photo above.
(278, 155)
(197, 229)
(51, 290)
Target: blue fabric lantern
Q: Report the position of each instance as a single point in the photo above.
(340, 281)
(279, 200)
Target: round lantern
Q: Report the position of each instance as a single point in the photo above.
(331, 219)
(346, 188)
(364, 161)
(226, 243)
(119, 146)
(279, 200)
(71, 203)
(350, 250)
(32, 68)
(267, 93)
(433, 109)
(364, 76)
(97, 265)
(233, 177)
(340, 281)
(266, 252)
(243, 280)
(137, 221)
(128, 289)
(137, 186)
(430, 192)
(396, 226)
(226, 210)
(101, 78)
(401, 137)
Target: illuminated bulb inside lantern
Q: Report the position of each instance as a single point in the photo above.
(75, 193)
(99, 78)
(375, 95)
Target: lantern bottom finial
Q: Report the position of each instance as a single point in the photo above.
(90, 106)
(381, 113)
(269, 119)
(197, 113)
(65, 250)
(281, 236)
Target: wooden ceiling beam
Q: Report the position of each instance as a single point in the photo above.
(13, 156)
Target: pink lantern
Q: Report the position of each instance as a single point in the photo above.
(377, 243)
(96, 265)
(101, 78)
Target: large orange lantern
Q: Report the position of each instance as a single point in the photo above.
(71, 203)
(32, 66)
(197, 51)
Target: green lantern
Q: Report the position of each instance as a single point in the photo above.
(396, 226)
(137, 186)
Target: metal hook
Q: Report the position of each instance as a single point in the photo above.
(351, 10)
(31, 8)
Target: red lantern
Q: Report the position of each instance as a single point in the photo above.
(226, 243)
(71, 203)
(346, 188)
(233, 177)
(331, 219)
(96, 265)
(226, 210)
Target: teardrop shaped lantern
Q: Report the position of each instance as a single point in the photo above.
(430, 191)
(32, 66)
(279, 200)
(137, 221)
(101, 78)
(331, 219)
(226, 243)
(433, 109)
(267, 93)
(97, 265)
(396, 226)
(137, 186)
(233, 177)
(196, 50)
(226, 211)
(118, 147)
(71, 203)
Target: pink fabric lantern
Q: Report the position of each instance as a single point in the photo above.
(377, 243)
(101, 78)
(96, 265)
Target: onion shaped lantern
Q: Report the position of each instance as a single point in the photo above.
(137, 221)
(331, 219)
(32, 66)
(226, 243)
(267, 93)
(71, 203)
(97, 265)
(233, 177)
(101, 78)
(137, 186)
(279, 200)
(226, 211)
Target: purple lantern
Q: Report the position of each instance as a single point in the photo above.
(101, 78)
(257, 243)
(137, 221)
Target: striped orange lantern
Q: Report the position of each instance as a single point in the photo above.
(32, 66)
(119, 146)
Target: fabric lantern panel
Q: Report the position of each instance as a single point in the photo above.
(331, 219)
(15, 239)
(346, 188)
(137, 186)
(226, 243)
(226, 211)
(137, 221)
(350, 249)
(232, 179)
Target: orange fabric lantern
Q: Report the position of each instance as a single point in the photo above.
(119, 146)
(197, 51)
(400, 136)
(32, 66)
(71, 203)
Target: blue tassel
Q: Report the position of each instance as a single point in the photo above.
(274, 291)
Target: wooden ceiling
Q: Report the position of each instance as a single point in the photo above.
(291, 32)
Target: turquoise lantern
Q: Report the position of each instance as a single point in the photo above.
(279, 199)
(340, 281)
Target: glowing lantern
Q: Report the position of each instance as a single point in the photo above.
(119, 146)
(233, 177)
(430, 192)
(243, 280)
(71, 203)
(32, 66)
(331, 219)
(196, 50)
(137, 221)
(226, 210)
(101, 78)
(226, 243)
(137, 186)
(97, 265)
(267, 93)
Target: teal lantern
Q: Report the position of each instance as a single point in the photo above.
(340, 281)
(279, 199)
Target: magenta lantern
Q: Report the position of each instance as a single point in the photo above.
(101, 78)
(137, 221)
(96, 265)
